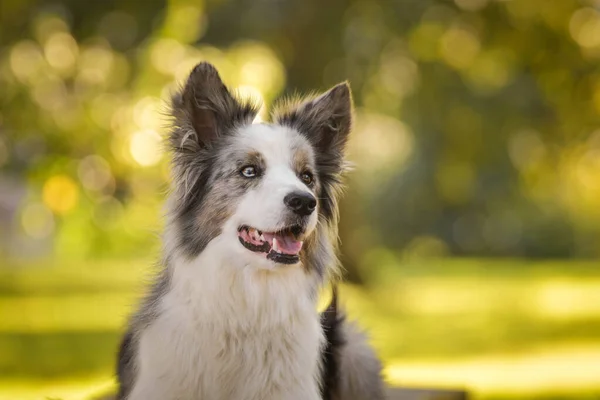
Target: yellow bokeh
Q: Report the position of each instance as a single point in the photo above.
(145, 147)
(61, 52)
(26, 60)
(259, 67)
(459, 47)
(584, 27)
(37, 221)
(60, 193)
(380, 143)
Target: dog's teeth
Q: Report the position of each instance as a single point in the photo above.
(275, 245)
(262, 238)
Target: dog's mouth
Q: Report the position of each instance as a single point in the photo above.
(282, 246)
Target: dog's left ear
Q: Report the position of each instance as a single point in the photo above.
(205, 109)
(325, 120)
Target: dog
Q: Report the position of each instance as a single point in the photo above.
(250, 240)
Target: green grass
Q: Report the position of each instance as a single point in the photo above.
(504, 329)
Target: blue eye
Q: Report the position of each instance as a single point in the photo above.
(249, 171)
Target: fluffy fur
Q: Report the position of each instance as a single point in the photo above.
(224, 322)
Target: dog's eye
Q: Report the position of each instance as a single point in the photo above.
(249, 171)
(307, 178)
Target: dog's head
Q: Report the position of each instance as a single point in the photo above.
(270, 188)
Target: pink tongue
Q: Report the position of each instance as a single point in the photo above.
(285, 243)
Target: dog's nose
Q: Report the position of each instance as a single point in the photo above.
(301, 203)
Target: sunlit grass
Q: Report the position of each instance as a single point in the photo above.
(66, 277)
(63, 389)
(508, 329)
(68, 313)
(557, 369)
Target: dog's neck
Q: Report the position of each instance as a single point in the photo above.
(219, 287)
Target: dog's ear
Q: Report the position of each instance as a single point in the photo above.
(205, 110)
(326, 120)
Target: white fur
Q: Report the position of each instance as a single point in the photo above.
(235, 325)
(263, 207)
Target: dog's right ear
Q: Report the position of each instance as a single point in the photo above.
(205, 110)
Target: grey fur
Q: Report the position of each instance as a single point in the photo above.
(205, 113)
(351, 370)
(206, 162)
(326, 120)
(359, 369)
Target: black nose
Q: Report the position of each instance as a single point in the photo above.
(301, 203)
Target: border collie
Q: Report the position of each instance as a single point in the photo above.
(250, 239)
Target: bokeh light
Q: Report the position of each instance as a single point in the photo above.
(60, 194)
(585, 27)
(61, 52)
(145, 147)
(37, 220)
(94, 174)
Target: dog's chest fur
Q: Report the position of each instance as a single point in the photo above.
(228, 333)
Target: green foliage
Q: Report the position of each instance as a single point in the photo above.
(476, 124)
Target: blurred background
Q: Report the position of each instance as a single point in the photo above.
(470, 228)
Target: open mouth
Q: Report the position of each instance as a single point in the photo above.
(282, 246)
